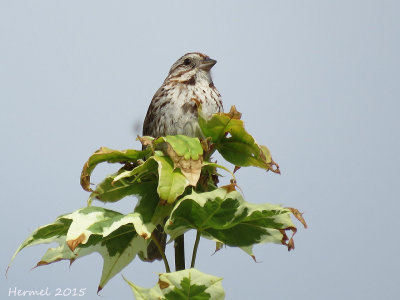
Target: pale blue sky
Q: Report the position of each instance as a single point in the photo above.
(318, 82)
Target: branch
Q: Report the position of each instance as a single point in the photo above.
(196, 245)
(179, 253)
(157, 243)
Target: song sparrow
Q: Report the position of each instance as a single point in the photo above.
(173, 109)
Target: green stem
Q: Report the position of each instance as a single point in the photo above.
(157, 243)
(179, 253)
(196, 245)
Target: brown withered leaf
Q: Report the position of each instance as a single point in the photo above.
(190, 168)
(274, 167)
(265, 155)
(44, 263)
(105, 154)
(285, 240)
(85, 178)
(72, 244)
(163, 284)
(290, 244)
(145, 140)
(233, 113)
(230, 187)
(298, 215)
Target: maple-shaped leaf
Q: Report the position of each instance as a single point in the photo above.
(186, 284)
(140, 182)
(158, 169)
(187, 154)
(108, 155)
(117, 237)
(235, 144)
(171, 182)
(224, 216)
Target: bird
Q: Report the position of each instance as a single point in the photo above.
(173, 110)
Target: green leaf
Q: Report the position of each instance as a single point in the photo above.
(187, 155)
(215, 165)
(145, 170)
(187, 284)
(111, 156)
(187, 147)
(125, 183)
(224, 216)
(172, 182)
(149, 206)
(110, 191)
(218, 125)
(118, 238)
(234, 143)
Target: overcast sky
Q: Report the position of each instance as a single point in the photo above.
(318, 82)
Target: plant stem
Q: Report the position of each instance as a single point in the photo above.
(196, 245)
(179, 253)
(157, 243)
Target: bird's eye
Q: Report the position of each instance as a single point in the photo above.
(187, 61)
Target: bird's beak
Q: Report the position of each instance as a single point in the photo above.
(207, 64)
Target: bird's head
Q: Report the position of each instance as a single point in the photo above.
(192, 67)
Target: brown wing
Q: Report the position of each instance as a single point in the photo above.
(152, 117)
(149, 126)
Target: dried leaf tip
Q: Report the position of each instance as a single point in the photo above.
(274, 167)
(233, 113)
(163, 284)
(298, 215)
(230, 187)
(85, 178)
(145, 140)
